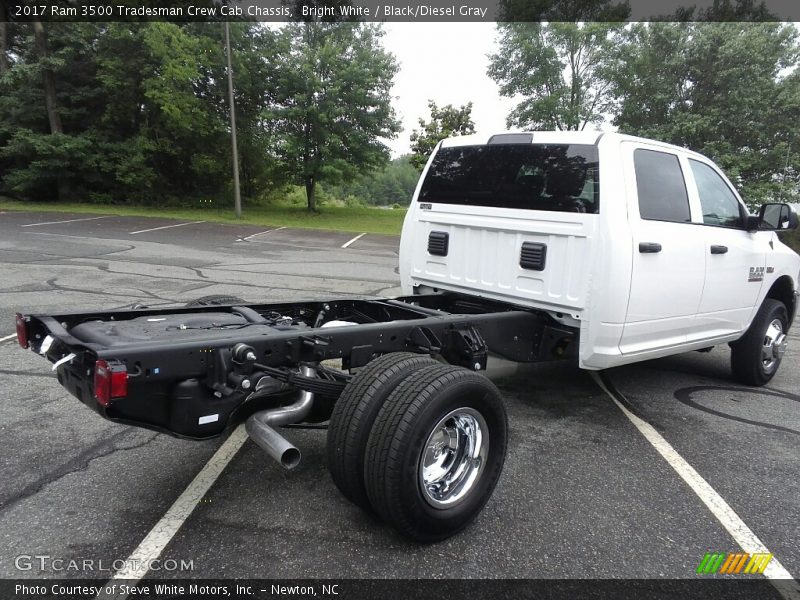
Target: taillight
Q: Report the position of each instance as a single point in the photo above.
(110, 381)
(22, 331)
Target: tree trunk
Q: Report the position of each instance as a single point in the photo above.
(49, 81)
(48, 78)
(311, 185)
(3, 40)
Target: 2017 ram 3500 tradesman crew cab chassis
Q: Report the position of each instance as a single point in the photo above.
(530, 246)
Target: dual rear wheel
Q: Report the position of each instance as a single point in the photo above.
(418, 443)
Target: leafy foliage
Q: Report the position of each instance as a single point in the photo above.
(144, 111)
(721, 80)
(727, 90)
(533, 11)
(143, 116)
(445, 122)
(332, 102)
(559, 70)
(386, 186)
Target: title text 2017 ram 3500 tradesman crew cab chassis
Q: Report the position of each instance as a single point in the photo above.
(530, 246)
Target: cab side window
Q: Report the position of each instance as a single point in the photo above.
(660, 186)
(720, 206)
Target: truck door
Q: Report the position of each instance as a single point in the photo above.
(735, 259)
(668, 251)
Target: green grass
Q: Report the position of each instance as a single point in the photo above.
(334, 218)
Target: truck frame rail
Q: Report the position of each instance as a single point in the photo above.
(193, 371)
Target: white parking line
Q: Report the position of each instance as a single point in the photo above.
(67, 221)
(249, 237)
(778, 575)
(138, 564)
(355, 239)
(164, 227)
(8, 337)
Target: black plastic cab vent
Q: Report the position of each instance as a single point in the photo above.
(438, 243)
(533, 256)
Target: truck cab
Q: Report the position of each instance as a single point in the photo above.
(646, 248)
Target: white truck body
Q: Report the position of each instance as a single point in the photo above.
(637, 280)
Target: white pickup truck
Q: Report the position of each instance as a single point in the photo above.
(644, 247)
(529, 246)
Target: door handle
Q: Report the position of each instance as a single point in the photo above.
(649, 247)
(715, 249)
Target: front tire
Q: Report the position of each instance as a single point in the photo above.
(755, 357)
(436, 452)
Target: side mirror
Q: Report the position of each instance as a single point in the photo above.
(777, 217)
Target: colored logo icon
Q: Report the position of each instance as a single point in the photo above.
(733, 563)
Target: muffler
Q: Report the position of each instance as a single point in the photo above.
(259, 425)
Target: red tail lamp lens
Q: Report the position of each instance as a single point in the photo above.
(22, 331)
(110, 381)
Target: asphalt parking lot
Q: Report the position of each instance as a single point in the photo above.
(584, 494)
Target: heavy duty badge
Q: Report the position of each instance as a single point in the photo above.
(756, 274)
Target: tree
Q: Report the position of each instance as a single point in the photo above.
(161, 120)
(38, 106)
(727, 10)
(332, 102)
(611, 10)
(534, 11)
(559, 70)
(725, 89)
(48, 79)
(3, 40)
(254, 88)
(142, 109)
(445, 122)
(392, 184)
(143, 117)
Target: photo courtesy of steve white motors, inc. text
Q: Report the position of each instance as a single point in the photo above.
(215, 590)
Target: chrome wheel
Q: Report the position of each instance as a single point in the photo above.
(774, 345)
(453, 458)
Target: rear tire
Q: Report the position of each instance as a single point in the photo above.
(755, 357)
(355, 412)
(214, 300)
(436, 452)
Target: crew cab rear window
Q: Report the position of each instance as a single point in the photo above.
(661, 188)
(563, 177)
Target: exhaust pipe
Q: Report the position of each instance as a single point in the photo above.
(259, 426)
